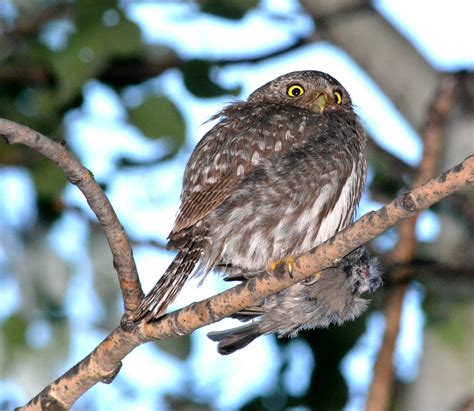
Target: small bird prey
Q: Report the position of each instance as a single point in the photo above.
(277, 175)
(332, 297)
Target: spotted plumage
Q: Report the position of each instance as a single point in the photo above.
(277, 175)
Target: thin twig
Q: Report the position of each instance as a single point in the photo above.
(81, 177)
(30, 26)
(430, 269)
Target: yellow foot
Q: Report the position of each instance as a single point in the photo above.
(311, 280)
(288, 262)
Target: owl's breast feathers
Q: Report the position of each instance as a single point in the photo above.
(271, 180)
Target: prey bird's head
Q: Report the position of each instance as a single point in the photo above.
(362, 271)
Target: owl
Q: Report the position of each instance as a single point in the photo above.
(277, 175)
(331, 297)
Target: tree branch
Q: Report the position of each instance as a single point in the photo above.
(429, 271)
(404, 251)
(459, 201)
(81, 177)
(29, 26)
(371, 225)
(102, 364)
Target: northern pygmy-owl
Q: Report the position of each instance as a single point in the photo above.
(276, 176)
(333, 297)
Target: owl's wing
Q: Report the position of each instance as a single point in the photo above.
(225, 156)
(197, 204)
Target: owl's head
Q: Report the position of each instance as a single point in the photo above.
(313, 90)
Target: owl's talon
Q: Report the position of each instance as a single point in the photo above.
(288, 262)
(311, 280)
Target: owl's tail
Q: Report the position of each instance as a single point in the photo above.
(170, 284)
(235, 338)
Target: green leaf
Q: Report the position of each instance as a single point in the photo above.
(12, 337)
(179, 348)
(14, 329)
(92, 46)
(34, 107)
(230, 9)
(49, 181)
(48, 177)
(384, 180)
(453, 330)
(158, 117)
(198, 81)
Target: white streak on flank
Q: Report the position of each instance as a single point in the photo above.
(307, 219)
(338, 214)
(280, 232)
(240, 170)
(288, 135)
(278, 146)
(256, 242)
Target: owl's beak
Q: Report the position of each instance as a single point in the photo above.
(320, 102)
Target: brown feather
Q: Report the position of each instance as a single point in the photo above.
(199, 204)
(276, 176)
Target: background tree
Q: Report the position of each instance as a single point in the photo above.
(92, 74)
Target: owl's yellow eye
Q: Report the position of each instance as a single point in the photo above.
(295, 90)
(338, 96)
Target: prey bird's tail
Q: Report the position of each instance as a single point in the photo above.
(170, 284)
(235, 338)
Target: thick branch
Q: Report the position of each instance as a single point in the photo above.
(78, 175)
(404, 251)
(105, 359)
(253, 291)
(101, 365)
(433, 132)
(459, 201)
